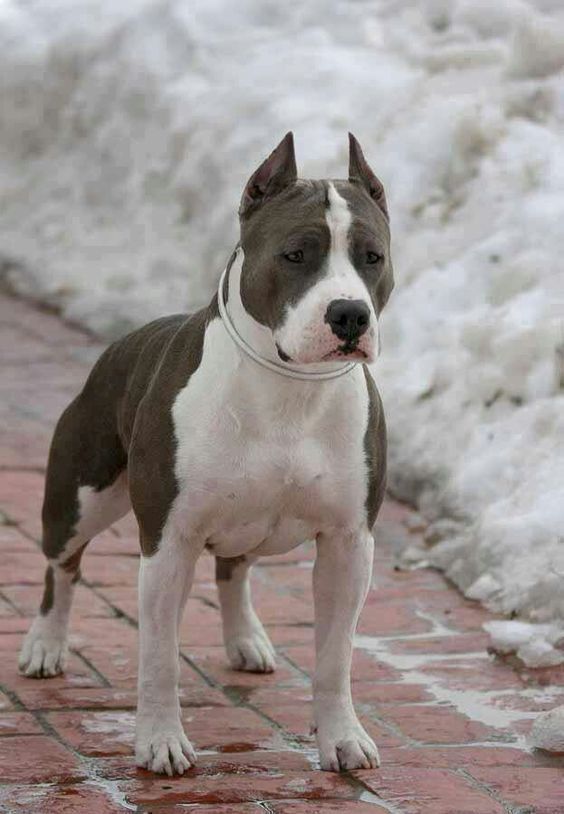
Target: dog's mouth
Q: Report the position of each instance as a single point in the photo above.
(345, 352)
(349, 351)
(284, 356)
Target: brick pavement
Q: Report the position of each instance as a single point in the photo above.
(451, 720)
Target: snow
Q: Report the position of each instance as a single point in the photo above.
(535, 644)
(127, 133)
(547, 731)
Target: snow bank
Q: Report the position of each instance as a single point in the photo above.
(128, 130)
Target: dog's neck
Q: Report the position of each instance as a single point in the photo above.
(256, 340)
(257, 336)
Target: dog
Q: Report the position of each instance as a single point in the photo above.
(245, 429)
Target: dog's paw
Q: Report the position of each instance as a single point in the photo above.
(252, 652)
(44, 651)
(165, 750)
(351, 749)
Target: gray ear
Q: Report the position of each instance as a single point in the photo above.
(276, 172)
(360, 171)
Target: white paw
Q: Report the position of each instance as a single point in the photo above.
(252, 652)
(44, 651)
(164, 749)
(351, 749)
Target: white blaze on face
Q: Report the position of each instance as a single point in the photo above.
(305, 335)
(339, 220)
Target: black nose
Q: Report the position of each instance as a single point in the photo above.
(348, 318)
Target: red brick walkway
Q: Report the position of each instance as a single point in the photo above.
(450, 720)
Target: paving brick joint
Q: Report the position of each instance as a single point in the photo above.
(451, 720)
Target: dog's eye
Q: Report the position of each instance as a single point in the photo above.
(295, 257)
(373, 257)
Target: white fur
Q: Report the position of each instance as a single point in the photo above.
(44, 648)
(99, 509)
(304, 334)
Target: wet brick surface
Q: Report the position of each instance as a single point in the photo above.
(448, 717)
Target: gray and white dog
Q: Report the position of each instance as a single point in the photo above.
(244, 429)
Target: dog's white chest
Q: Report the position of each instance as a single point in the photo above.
(259, 495)
(262, 464)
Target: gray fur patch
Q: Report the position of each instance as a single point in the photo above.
(224, 567)
(48, 592)
(293, 220)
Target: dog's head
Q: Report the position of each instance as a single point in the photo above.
(317, 269)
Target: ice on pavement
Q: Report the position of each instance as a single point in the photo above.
(536, 644)
(128, 130)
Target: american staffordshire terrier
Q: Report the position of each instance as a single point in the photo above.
(244, 429)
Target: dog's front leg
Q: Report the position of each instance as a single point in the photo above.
(341, 578)
(165, 579)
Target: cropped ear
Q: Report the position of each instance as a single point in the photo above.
(274, 174)
(360, 171)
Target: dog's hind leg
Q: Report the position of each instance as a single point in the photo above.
(72, 515)
(246, 641)
(44, 649)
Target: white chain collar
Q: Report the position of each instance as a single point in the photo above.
(282, 369)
